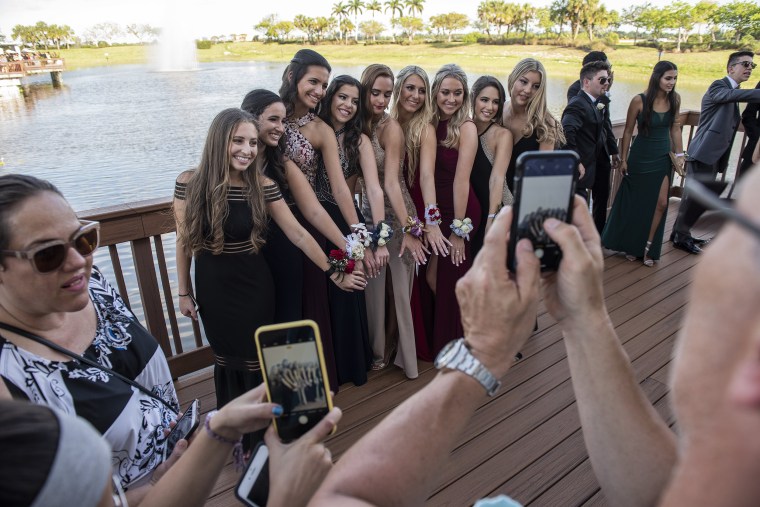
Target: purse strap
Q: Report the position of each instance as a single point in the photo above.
(82, 359)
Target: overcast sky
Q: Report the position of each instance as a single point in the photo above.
(206, 17)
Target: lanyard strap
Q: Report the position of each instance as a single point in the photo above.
(82, 359)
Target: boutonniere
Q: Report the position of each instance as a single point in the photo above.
(600, 106)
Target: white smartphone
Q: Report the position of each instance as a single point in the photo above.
(184, 428)
(253, 487)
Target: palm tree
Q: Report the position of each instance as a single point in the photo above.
(413, 6)
(395, 7)
(356, 7)
(373, 7)
(340, 10)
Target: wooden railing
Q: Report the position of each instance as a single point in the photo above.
(141, 223)
(21, 68)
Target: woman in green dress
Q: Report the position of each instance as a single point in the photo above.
(637, 220)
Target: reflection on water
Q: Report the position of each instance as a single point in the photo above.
(119, 134)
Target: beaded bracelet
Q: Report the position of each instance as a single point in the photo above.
(382, 234)
(414, 226)
(432, 214)
(462, 228)
(237, 445)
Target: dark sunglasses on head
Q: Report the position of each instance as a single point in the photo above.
(50, 255)
(746, 64)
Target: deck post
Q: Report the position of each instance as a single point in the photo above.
(57, 78)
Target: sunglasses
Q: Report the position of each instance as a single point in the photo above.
(49, 256)
(745, 64)
(605, 80)
(703, 196)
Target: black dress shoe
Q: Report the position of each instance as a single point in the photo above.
(687, 245)
(700, 241)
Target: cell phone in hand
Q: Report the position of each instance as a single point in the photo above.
(184, 428)
(294, 372)
(253, 487)
(544, 188)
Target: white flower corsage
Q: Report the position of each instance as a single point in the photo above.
(355, 247)
(600, 105)
(362, 234)
(462, 228)
(382, 234)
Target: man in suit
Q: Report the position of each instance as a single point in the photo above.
(600, 190)
(711, 146)
(583, 122)
(751, 122)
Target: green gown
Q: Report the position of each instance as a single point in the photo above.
(627, 228)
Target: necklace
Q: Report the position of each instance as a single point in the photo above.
(340, 131)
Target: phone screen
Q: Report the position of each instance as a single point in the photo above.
(184, 427)
(545, 184)
(253, 487)
(294, 373)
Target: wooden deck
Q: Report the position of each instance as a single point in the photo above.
(527, 441)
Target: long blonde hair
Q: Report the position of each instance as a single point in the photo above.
(414, 128)
(206, 206)
(455, 122)
(540, 120)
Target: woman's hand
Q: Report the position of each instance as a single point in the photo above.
(245, 414)
(349, 283)
(381, 257)
(187, 307)
(370, 262)
(416, 247)
(297, 469)
(436, 241)
(457, 249)
(623, 167)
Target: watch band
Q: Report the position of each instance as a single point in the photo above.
(457, 356)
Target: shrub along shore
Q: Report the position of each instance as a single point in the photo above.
(629, 62)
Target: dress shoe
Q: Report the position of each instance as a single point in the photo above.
(687, 245)
(700, 241)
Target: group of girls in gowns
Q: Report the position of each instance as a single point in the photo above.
(271, 204)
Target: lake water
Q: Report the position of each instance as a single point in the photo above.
(123, 133)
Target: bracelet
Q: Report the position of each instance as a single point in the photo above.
(237, 445)
(432, 214)
(462, 228)
(492, 215)
(340, 262)
(382, 234)
(679, 155)
(184, 295)
(414, 226)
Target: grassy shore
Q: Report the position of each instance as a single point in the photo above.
(630, 62)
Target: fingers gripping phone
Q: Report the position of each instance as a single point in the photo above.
(544, 188)
(295, 375)
(184, 428)
(253, 487)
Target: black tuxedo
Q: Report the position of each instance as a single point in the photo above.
(583, 123)
(601, 187)
(751, 122)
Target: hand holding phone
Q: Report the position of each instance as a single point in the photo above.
(294, 372)
(253, 487)
(544, 188)
(185, 427)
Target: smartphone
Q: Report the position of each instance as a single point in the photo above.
(184, 428)
(253, 487)
(544, 187)
(294, 372)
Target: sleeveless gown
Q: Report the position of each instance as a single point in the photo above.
(627, 228)
(313, 282)
(440, 311)
(389, 313)
(521, 146)
(348, 310)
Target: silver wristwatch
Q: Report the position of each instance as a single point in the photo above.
(456, 356)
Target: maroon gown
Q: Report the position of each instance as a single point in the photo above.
(440, 312)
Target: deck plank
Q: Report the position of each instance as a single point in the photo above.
(527, 440)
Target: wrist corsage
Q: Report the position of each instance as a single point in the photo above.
(362, 234)
(340, 263)
(432, 214)
(462, 228)
(414, 226)
(382, 234)
(355, 247)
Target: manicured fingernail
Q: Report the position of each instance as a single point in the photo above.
(277, 410)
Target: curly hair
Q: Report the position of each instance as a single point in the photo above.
(455, 122)
(206, 205)
(540, 120)
(353, 133)
(295, 71)
(414, 128)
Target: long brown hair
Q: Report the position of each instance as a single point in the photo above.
(369, 76)
(206, 205)
(674, 99)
